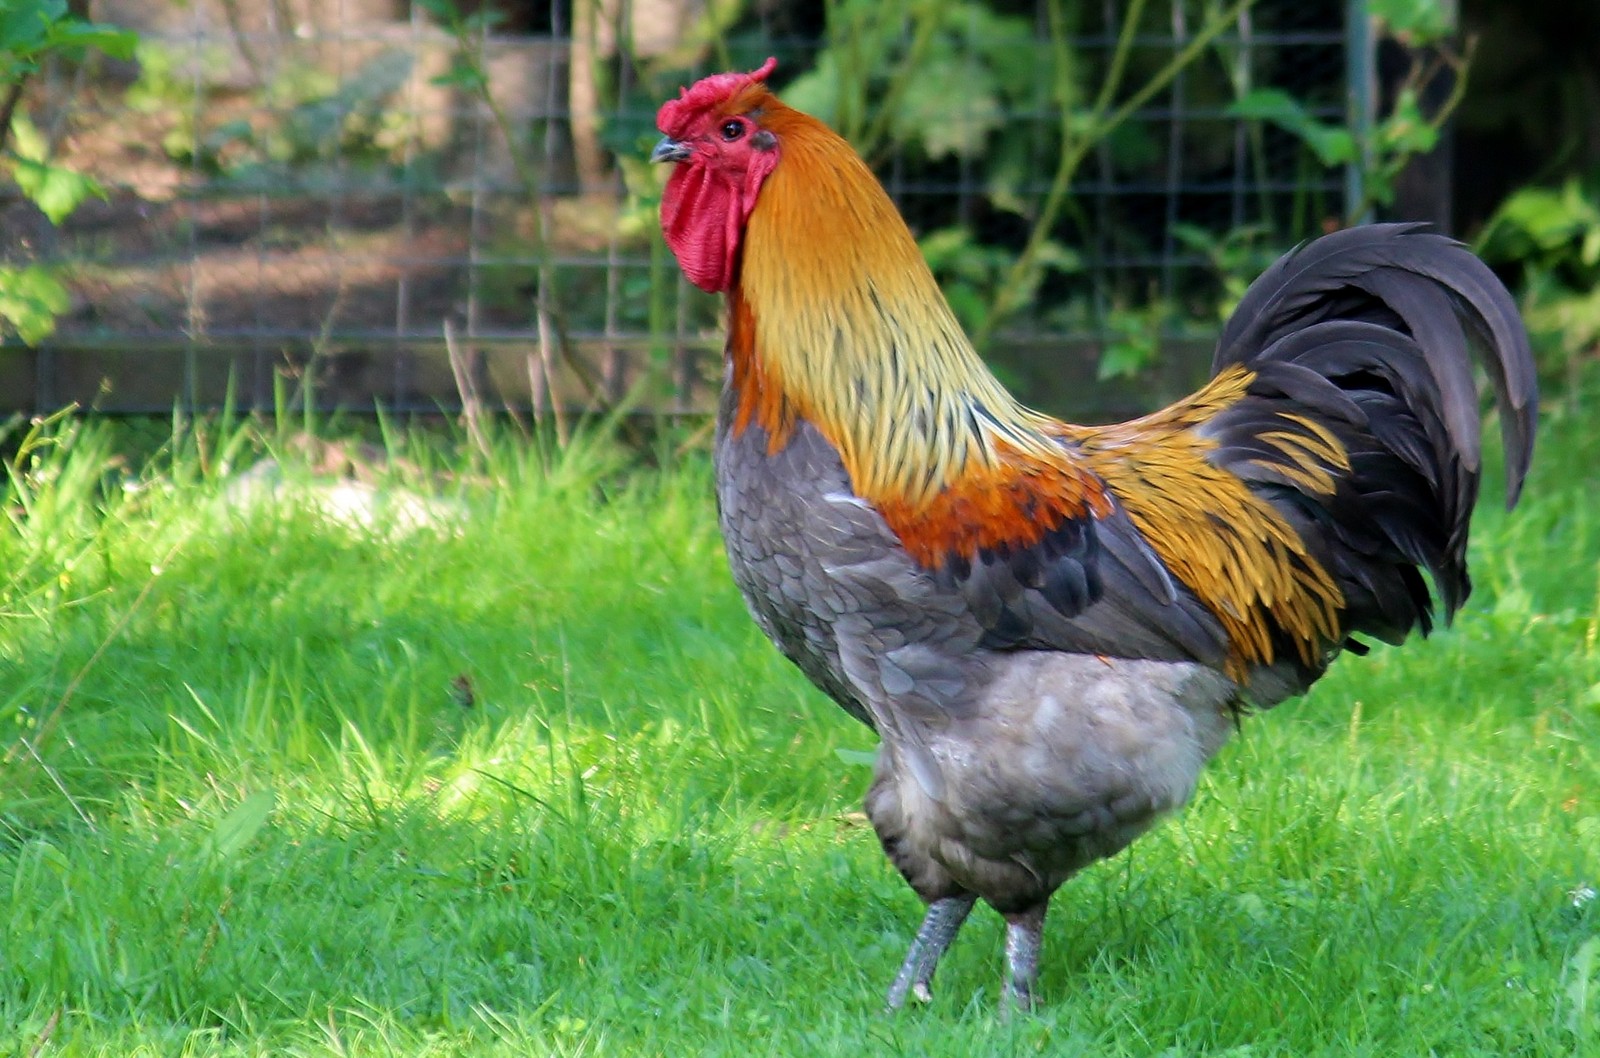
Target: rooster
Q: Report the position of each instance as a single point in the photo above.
(1053, 627)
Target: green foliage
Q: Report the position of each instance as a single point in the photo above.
(1551, 236)
(1333, 145)
(31, 30)
(466, 70)
(1551, 229)
(1380, 152)
(1404, 133)
(1133, 340)
(1380, 156)
(303, 122)
(1237, 258)
(1415, 21)
(246, 807)
(971, 272)
(32, 295)
(879, 84)
(56, 190)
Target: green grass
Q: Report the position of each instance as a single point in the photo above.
(244, 809)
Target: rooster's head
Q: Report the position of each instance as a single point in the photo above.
(723, 152)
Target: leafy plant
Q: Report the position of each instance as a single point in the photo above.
(32, 31)
(1556, 230)
(304, 115)
(1133, 339)
(1379, 152)
(1552, 237)
(31, 297)
(1236, 258)
(971, 272)
(881, 84)
(1414, 21)
(1332, 144)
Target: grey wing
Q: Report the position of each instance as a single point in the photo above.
(1091, 586)
(911, 650)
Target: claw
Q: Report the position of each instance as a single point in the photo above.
(939, 928)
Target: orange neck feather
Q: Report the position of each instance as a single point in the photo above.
(837, 320)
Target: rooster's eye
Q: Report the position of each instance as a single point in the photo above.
(732, 130)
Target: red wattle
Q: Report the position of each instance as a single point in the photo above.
(704, 248)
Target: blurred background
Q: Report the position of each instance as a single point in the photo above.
(421, 205)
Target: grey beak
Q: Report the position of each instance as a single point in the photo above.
(670, 150)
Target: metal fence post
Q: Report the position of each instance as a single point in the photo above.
(1361, 101)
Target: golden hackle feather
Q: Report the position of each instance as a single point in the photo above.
(1234, 550)
(850, 324)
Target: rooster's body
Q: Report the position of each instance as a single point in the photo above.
(1051, 627)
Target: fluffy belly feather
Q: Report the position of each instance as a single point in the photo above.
(1067, 759)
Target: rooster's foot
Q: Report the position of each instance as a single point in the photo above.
(1024, 931)
(938, 929)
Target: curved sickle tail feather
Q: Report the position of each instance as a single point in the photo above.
(1404, 277)
(1361, 421)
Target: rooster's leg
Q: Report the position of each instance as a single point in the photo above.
(939, 928)
(1024, 931)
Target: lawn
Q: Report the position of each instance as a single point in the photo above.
(483, 757)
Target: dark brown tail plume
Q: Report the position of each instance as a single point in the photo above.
(1367, 332)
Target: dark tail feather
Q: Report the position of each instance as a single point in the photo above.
(1363, 336)
(1424, 285)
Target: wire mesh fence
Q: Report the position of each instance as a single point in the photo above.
(411, 204)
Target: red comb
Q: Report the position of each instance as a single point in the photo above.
(676, 115)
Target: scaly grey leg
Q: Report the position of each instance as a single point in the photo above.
(938, 929)
(1024, 931)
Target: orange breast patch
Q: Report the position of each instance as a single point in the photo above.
(1010, 506)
